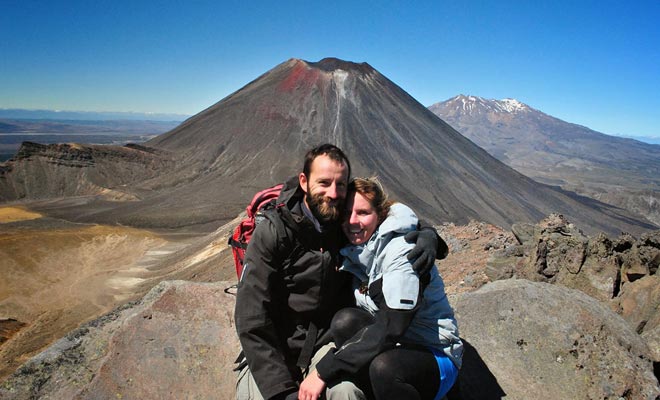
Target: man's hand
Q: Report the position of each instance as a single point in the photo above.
(312, 387)
(427, 245)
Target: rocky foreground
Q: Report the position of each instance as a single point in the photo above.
(546, 313)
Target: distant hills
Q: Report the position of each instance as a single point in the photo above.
(620, 171)
(52, 126)
(645, 139)
(203, 172)
(18, 113)
(13, 132)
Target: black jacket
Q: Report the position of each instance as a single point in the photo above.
(291, 280)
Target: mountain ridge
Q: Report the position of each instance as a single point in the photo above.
(467, 103)
(620, 171)
(258, 135)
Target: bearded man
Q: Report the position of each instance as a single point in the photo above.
(291, 286)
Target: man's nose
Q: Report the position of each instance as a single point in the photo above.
(331, 191)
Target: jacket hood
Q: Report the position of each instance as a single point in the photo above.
(401, 219)
(291, 193)
(292, 197)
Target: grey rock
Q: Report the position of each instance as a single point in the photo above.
(528, 340)
(524, 232)
(559, 247)
(498, 268)
(600, 246)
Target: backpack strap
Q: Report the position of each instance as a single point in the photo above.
(275, 216)
(235, 243)
(308, 346)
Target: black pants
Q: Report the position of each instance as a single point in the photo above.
(403, 372)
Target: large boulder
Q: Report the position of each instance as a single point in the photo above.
(560, 248)
(530, 340)
(178, 342)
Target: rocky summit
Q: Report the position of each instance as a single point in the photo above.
(540, 309)
(523, 340)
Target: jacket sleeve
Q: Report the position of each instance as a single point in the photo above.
(255, 308)
(398, 295)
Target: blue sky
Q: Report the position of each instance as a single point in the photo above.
(595, 63)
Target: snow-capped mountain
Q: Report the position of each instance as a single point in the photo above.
(466, 105)
(621, 171)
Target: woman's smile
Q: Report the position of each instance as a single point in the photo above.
(361, 219)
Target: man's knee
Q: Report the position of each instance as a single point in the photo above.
(246, 387)
(344, 390)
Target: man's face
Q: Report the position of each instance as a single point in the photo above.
(325, 188)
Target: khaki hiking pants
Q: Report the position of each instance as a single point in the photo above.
(246, 388)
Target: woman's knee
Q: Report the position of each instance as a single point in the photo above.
(383, 368)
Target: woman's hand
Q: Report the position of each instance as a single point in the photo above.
(312, 387)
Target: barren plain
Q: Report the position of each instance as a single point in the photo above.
(56, 275)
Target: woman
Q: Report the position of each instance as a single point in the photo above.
(402, 342)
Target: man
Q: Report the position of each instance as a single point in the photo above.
(291, 287)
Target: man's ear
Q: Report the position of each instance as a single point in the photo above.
(302, 180)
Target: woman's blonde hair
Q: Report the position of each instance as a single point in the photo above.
(372, 190)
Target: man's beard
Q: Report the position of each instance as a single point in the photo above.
(322, 209)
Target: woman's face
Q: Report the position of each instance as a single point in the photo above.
(361, 219)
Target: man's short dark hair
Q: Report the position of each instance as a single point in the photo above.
(329, 150)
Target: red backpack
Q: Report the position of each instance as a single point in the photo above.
(261, 202)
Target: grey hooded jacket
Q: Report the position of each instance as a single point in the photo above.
(407, 310)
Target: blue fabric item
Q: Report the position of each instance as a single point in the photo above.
(448, 372)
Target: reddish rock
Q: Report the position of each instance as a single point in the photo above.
(181, 346)
(178, 342)
(639, 304)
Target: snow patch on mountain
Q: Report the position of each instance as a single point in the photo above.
(477, 105)
(339, 77)
(512, 105)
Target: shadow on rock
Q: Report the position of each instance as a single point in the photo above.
(475, 381)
